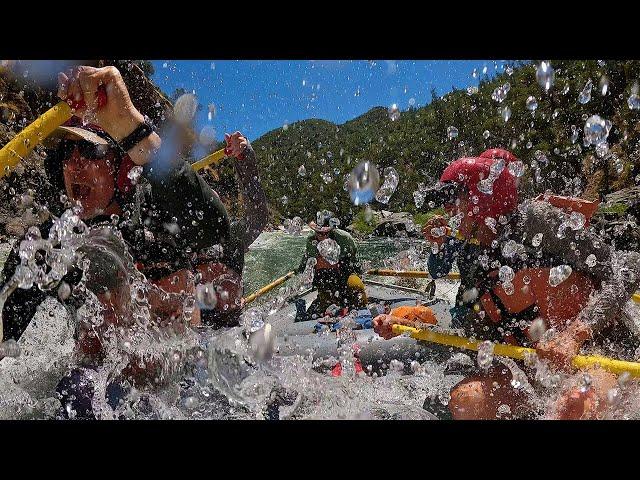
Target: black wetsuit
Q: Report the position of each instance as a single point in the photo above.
(168, 224)
(171, 220)
(332, 283)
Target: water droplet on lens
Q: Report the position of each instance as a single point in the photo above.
(64, 291)
(485, 354)
(516, 168)
(389, 185)
(559, 274)
(596, 130)
(363, 182)
(506, 114)
(545, 75)
(330, 250)
(585, 94)
(134, 174)
(499, 94)
(537, 329)
(184, 109)
(604, 85)
(394, 112)
(576, 220)
(506, 274)
(536, 240)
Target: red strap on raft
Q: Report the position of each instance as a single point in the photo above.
(336, 371)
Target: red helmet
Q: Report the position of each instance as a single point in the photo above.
(501, 198)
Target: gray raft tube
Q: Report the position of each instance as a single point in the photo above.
(375, 353)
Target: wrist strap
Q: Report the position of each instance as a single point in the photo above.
(141, 132)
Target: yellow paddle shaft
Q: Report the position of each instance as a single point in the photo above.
(408, 273)
(456, 234)
(268, 288)
(25, 141)
(420, 274)
(512, 351)
(215, 158)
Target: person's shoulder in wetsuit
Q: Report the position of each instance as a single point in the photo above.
(348, 250)
(617, 272)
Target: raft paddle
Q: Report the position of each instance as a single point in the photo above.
(450, 276)
(268, 288)
(214, 159)
(512, 351)
(396, 287)
(408, 273)
(24, 142)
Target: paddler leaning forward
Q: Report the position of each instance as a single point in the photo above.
(174, 225)
(534, 274)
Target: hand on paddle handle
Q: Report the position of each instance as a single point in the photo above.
(236, 145)
(438, 222)
(100, 96)
(383, 324)
(561, 349)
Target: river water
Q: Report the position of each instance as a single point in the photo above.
(221, 375)
(273, 254)
(215, 374)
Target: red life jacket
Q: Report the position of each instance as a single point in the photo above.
(556, 305)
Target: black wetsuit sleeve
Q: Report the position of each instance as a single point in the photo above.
(255, 200)
(182, 197)
(234, 248)
(21, 304)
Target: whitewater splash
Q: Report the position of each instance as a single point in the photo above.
(238, 373)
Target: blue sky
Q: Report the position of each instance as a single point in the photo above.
(256, 96)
